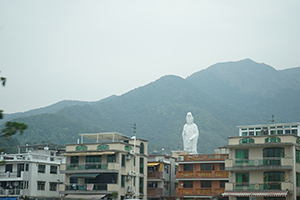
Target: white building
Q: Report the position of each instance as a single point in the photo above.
(34, 174)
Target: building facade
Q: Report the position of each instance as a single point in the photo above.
(201, 176)
(264, 163)
(113, 166)
(34, 174)
(161, 177)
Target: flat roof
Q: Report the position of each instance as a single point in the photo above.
(267, 125)
(105, 136)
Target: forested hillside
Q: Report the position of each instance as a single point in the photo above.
(220, 98)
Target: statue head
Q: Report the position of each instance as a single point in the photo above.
(189, 118)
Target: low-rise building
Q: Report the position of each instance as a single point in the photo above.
(201, 176)
(110, 165)
(264, 163)
(161, 177)
(34, 174)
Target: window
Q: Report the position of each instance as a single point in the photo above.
(122, 181)
(294, 131)
(272, 180)
(246, 140)
(20, 168)
(111, 158)
(8, 168)
(81, 148)
(142, 148)
(272, 139)
(73, 180)
(298, 179)
(27, 167)
(74, 160)
(222, 166)
(242, 178)
(123, 160)
(93, 159)
(141, 189)
(241, 156)
(297, 156)
(40, 185)
(53, 186)
(141, 165)
(41, 168)
(187, 184)
(287, 131)
(188, 167)
(222, 184)
(205, 184)
(279, 132)
(127, 148)
(205, 167)
(103, 146)
(273, 132)
(53, 169)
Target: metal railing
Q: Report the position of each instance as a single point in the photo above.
(87, 187)
(87, 166)
(258, 162)
(258, 186)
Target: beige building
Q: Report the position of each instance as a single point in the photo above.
(264, 163)
(112, 164)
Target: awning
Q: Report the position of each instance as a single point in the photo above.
(87, 153)
(84, 175)
(84, 196)
(152, 164)
(8, 198)
(256, 194)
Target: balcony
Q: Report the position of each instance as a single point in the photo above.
(154, 192)
(259, 186)
(199, 191)
(202, 174)
(206, 157)
(88, 188)
(91, 166)
(7, 192)
(155, 175)
(253, 164)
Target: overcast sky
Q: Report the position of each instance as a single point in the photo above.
(53, 50)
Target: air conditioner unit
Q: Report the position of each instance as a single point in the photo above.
(128, 178)
(129, 189)
(131, 173)
(180, 158)
(128, 157)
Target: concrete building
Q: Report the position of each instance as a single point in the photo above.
(34, 174)
(264, 163)
(111, 166)
(161, 177)
(201, 176)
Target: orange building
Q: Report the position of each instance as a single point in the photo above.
(201, 176)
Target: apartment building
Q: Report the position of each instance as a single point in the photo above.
(106, 165)
(201, 176)
(264, 163)
(34, 174)
(161, 177)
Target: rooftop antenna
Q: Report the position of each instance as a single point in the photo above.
(273, 119)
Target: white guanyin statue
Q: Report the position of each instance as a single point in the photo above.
(190, 135)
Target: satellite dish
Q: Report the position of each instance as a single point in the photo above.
(46, 148)
(16, 184)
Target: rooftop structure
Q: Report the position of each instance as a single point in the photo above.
(264, 162)
(34, 173)
(114, 166)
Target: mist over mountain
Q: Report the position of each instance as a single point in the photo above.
(220, 98)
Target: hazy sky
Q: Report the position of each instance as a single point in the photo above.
(53, 50)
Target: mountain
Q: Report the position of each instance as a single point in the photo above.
(220, 98)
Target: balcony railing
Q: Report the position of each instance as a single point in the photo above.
(205, 157)
(275, 161)
(86, 187)
(199, 191)
(86, 166)
(155, 175)
(154, 192)
(258, 186)
(7, 192)
(202, 174)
